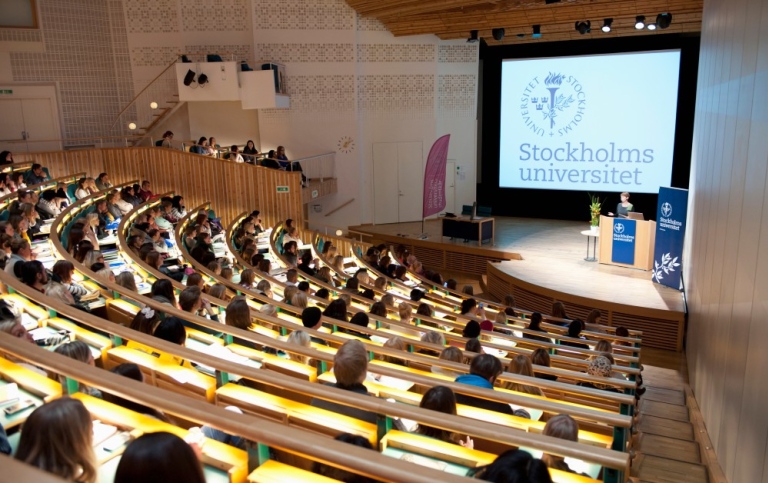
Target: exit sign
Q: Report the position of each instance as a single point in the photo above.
(6, 91)
(283, 189)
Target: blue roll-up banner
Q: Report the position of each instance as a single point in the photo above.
(624, 241)
(670, 233)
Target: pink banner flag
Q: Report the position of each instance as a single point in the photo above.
(434, 177)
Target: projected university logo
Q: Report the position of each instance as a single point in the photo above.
(555, 106)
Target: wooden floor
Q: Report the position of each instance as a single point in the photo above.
(553, 253)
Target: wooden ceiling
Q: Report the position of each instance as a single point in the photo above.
(453, 19)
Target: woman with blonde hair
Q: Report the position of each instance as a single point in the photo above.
(301, 338)
(58, 438)
(521, 365)
(299, 299)
(397, 344)
(326, 276)
(451, 354)
(289, 292)
(79, 351)
(338, 263)
(127, 280)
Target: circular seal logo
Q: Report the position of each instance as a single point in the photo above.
(618, 228)
(553, 105)
(666, 209)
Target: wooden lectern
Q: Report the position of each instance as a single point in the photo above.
(645, 240)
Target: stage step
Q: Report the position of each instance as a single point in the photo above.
(665, 446)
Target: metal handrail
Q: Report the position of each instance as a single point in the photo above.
(133, 101)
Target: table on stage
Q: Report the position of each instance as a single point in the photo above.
(479, 229)
(594, 235)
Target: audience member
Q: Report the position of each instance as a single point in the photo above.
(159, 457)
(483, 372)
(441, 399)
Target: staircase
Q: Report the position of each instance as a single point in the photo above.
(162, 91)
(666, 450)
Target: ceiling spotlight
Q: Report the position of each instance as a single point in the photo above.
(498, 34)
(536, 32)
(202, 80)
(132, 126)
(640, 22)
(584, 27)
(153, 105)
(473, 37)
(339, 232)
(606, 25)
(663, 20)
(651, 26)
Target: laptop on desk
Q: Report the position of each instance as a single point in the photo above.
(635, 215)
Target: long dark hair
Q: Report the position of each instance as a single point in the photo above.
(514, 466)
(158, 457)
(442, 399)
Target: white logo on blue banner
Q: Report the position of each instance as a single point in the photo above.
(623, 250)
(670, 234)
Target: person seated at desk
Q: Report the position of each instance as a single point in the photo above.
(540, 357)
(5, 244)
(564, 427)
(145, 192)
(600, 366)
(337, 474)
(21, 251)
(337, 310)
(155, 260)
(102, 182)
(521, 365)
(234, 156)
(239, 315)
(624, 207)
(535, 325)
(360, 319)
(270, 161)
(191, 300)
(22, 196)
(469, 308)
(306, 262)
(36, 175)
(291, 277)
(171, 329)
(58, 438)
(441, 399)
(291, 253)
(79, 351)
(146, 321)
(60, 285)
(49, 205)
(34, 275)
(300, 338)
(160, 456)
(574, 331)
(514, 465)
(250, 152)
(350, 367)
(311, 318)
(132, 371)
(483, 372)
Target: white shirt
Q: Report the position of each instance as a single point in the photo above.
(82, 193)
(237, 157)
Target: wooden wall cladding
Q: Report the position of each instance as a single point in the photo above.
(662, 332)
(447, 256)
(232, 188)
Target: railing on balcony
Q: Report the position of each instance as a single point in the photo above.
(153, 103)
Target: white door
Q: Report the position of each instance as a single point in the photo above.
(450, 186)
(410, 175)
(11, 125)
(385, 180)
(40, 124)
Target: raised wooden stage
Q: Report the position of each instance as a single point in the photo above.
(545, 262)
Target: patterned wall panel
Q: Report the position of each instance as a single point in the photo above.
(152, 16)
(86, 59)
(216, 16)
(284, 53)
(456, 95)
(305, 15)
(322, 93)
(153, 56)
(457, 53)
(370, 24)
(395, 53)
(230, 52)
(20, 35)
(396, 95)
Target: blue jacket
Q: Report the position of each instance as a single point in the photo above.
(474, 380)
(478, 381)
